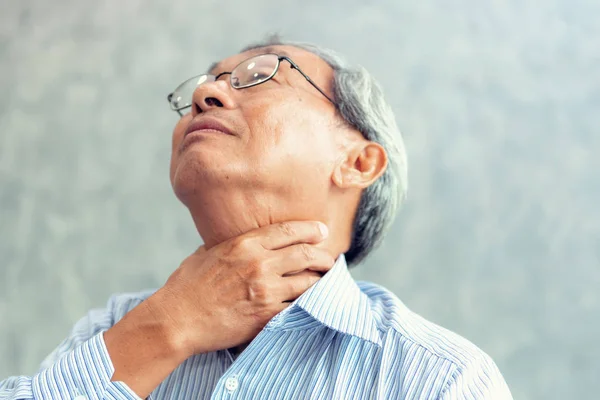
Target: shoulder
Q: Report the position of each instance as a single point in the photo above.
(97, 320)
(394, 318)
(438, 353)
(100, 319)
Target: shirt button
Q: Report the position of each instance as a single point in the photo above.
(278, 319)
(275, 322)
(231, 384)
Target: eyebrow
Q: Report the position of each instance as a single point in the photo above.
(265, 50)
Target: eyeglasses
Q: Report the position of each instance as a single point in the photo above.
(254, 71)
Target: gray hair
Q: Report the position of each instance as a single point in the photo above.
(360, 102)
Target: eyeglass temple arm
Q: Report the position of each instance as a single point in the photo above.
(294, 66)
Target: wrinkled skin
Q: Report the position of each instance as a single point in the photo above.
(274, 203)
(282, 163)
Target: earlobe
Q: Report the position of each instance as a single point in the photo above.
(338, 177)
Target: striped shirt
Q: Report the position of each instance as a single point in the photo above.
(341, 339)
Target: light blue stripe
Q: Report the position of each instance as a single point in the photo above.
(339, 340)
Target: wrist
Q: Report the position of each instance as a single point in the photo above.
(165, 319)
(144, 347)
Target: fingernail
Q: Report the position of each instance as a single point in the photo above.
(323, 229)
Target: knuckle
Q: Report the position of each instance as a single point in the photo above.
(287, 229)
(258, 294)
(307, 252)
(242, 242)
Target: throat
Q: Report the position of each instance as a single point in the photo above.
(237, 350)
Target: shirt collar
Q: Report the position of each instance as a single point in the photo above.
(337, 302)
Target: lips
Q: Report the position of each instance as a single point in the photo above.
(207, 124)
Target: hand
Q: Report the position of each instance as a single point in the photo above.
(216, 299)
(223, 297)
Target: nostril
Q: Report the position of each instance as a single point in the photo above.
(213, 102)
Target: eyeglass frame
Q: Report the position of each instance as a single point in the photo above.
(293, 65)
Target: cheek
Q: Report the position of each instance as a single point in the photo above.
(176, 139)
(291, 144)
(276, 122)
(180, 129)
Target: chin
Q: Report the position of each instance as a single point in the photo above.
(195, 173)
(186, 191)
(188, 176)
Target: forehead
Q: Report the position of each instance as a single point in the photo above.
(311, 64)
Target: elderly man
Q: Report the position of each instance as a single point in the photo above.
(292, 167)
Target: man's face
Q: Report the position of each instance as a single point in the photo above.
(283, 140)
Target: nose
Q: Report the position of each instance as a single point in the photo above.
(212, 95)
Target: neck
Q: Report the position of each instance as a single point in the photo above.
(219, 218)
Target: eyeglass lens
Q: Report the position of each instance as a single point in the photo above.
(250, 72)
(182, 95)
(254, 71)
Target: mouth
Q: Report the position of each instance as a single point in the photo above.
(207, 124)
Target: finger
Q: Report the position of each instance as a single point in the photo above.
(292, 287)
(299, 257)
(283, 234)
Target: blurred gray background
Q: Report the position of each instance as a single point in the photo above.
(499, 105)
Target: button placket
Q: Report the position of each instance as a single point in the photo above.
(232, 383)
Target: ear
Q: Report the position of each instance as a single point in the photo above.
(362, 165)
